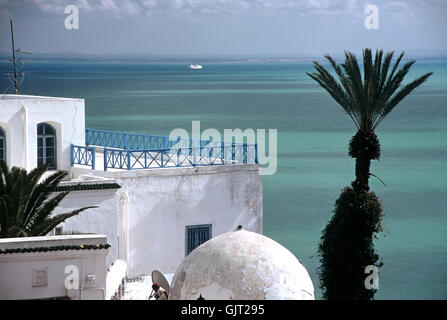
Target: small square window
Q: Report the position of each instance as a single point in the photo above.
(40, 277)
(196, 235)
(58, 231)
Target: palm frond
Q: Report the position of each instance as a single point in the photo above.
(367, 98)
(27, 203)
(352, 72)
(42, 191)
(3, 217)
(400, 95)
(350, 92)
(396, 64)
(49, 224)
(44, 211)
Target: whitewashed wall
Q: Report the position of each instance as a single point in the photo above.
(19, 117)
(145, 220)
(102, 220)
(16, 269)
(160, 203)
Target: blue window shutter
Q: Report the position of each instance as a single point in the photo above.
(196, 235)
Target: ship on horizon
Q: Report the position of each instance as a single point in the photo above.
(195, 67)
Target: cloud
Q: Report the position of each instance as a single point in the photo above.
(5, 8)
(396, 7)
(213, 7)
(436, 3)
(237, 6)
(143, 7)
(113, 7)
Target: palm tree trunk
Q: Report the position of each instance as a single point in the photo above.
(364, 147)
(362, 166)
(347, 245)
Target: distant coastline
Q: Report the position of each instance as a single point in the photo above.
(203, 58)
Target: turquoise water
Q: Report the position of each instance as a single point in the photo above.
(313, 134)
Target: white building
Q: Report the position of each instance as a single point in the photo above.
(58, 267)
(156, 201)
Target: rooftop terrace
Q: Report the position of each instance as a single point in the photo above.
(109, 150)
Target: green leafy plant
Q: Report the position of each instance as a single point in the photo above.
(27, 204)
(347, 247)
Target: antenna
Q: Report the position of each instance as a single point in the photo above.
(18, 76)
(14, 59)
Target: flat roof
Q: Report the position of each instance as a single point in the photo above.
(53, 243)
(24, 242)
(31, 97)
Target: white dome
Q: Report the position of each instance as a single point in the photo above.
(241, 265)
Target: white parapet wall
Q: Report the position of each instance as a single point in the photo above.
(19, 117)
(105, 219)
(116, 276)
(153, 207)
(60, 267)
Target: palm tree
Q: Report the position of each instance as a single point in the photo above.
(346, 245)
(367, 99)
(26, 205)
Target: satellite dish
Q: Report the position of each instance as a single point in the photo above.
(159, 278)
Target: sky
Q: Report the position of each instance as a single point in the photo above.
(223, 27)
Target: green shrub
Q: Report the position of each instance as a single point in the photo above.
(346, 246)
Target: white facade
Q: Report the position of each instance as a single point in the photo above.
(43, 274)
(116, 275)
(146, 221)
(146, 216)
(19, 117)
(103, 220)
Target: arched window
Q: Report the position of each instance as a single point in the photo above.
(46, 146)
(2, 145)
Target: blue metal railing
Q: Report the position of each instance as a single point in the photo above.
(125, 140)
(130, 151)
(83, 155)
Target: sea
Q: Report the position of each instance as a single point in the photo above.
(313, 134)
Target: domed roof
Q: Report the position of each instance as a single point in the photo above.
(241, 265)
